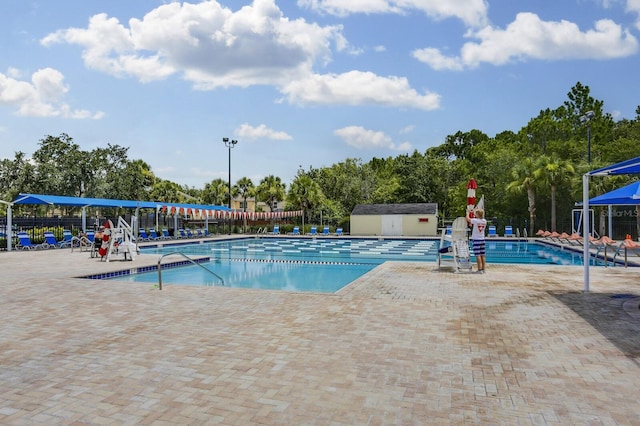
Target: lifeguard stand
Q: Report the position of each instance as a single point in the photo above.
(454, 247)
(121, 242)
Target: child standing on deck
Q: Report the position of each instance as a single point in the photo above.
(479, 223)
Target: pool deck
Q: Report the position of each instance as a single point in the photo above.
(405, 344)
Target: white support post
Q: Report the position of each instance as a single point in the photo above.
(585, 228)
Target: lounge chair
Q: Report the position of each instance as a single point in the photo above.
(68, 238)
(153, 235)
(142, 235)
(314, 231)
(552, 237)
(296, 230)
(189, 233)
(165, 234)
(325, 230)
(492, 232)
(50, 241)
(24, 242)
(563, 238)
(508, 231)
(627, 247)
(571, 240)
(276, 230)
(606, 246)
(339, 232)
(181, 233)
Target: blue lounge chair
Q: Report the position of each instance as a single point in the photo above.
(492, 231)
(339, 232)
(50, 241)
(189, 233)
(276, 230)
(508, 231)
(181, 233)
(296, 230)
(314, 231)
(142, 235)
(165, 234)
(24, 242)
(67, 236)
(325, 230)
(153, 235)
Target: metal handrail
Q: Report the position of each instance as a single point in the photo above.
(190, 260)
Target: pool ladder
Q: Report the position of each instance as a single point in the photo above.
(189, 259)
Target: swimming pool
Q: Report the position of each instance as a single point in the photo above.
(321, 264)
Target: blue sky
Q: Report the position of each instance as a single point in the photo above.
(304, 83)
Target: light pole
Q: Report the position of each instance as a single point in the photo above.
(229, 144)
(586, 118)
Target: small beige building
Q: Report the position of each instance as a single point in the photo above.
(418, 219)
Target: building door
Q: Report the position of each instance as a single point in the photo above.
(392, 225)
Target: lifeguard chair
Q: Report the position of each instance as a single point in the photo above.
(454, 247)
(119, 241)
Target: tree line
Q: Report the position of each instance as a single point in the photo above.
(531, 178)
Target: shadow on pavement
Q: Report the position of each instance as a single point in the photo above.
(614, 315)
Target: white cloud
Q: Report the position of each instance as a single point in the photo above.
(41, 97)
(407, 129)
(358, 88)
(212, 46)
(247, 131)
(362, 138)
(436, 60)
(528, 37)
(472, 12)
(14, 73)
(633, 6)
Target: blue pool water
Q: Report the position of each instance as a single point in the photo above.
(320, 265)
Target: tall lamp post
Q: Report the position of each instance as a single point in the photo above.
(586, 118)
(229, 144)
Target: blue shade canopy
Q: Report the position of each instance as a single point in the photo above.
(628, 167)
(62, 200)
(626, 196)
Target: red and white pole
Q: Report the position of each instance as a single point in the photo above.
(471, 196)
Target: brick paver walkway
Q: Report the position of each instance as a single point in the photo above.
(405, 344)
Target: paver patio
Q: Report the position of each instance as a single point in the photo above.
(404, 344)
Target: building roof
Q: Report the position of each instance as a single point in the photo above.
(388, 209)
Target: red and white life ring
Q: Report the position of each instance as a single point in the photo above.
(105, 239)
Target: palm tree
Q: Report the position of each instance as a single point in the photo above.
(215, 192)
(553, 172)
(524, 181)
(245, 189)
(271, 190)
(305, 193)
